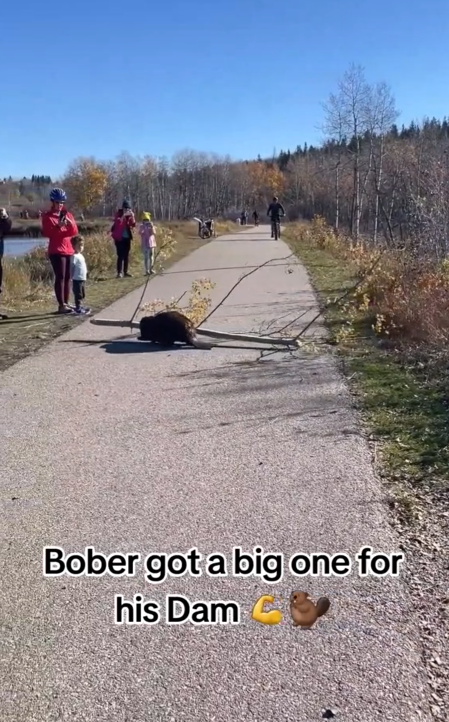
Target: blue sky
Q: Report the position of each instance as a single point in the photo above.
(237, 77)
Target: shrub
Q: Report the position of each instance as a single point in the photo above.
(18, 284)
(38, 266)
(99, 253)
(401, 298)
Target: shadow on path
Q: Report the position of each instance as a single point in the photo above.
(122, 346)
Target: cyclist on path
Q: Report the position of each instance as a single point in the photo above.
(275, 211)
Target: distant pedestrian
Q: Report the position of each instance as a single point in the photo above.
(147, 231)
(59, 226)
(5, 228)
(79, 276)
(122, 234)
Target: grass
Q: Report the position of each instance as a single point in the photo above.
(28, 297)
(404, 398)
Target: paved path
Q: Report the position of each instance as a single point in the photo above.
(109, 445)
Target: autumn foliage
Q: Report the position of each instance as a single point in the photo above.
(85, 182)
(197, 306)
(400, 297)
(265, 181)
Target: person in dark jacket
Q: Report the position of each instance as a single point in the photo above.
(5, 228)
(275, 211)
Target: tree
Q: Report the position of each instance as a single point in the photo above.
(265, 180)
(334, 128)
(348, 110)
(86, 181)
(381, 114)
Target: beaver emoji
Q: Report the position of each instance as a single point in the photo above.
(304, 611)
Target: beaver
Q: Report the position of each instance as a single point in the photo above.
(304, 612)
(168, 328)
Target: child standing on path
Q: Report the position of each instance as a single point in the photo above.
(147, 232)
(79, 275)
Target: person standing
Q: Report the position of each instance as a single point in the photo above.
(79, 276)
(122, 234)
(5, 228)
(147, 232)
(59, 226)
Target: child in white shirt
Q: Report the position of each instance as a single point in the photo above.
(79, 275)
(147, 231)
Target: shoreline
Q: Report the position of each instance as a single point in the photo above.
(19, 247)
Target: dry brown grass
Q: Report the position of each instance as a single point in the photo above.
(405, 300)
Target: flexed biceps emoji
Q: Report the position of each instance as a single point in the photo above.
(273, 616)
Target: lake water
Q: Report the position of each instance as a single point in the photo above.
(19, 246)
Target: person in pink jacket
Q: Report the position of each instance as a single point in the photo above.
(147, 232)
(122, 234)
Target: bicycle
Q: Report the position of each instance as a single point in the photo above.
(276, 229)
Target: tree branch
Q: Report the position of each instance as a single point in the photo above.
(242, 278)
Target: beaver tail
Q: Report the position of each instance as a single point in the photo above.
(322, 606)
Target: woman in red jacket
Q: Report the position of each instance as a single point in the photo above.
(58, 225)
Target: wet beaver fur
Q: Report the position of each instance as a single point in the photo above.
(168, 328)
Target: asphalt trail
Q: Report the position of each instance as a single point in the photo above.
(110, 445)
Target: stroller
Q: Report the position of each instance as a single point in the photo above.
(206, 229)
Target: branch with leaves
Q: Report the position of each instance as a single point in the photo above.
(197, 309)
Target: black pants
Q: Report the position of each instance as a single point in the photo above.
(2, 251)
(123, 248)
(79, 292)
(61, 267)
(274, 221)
